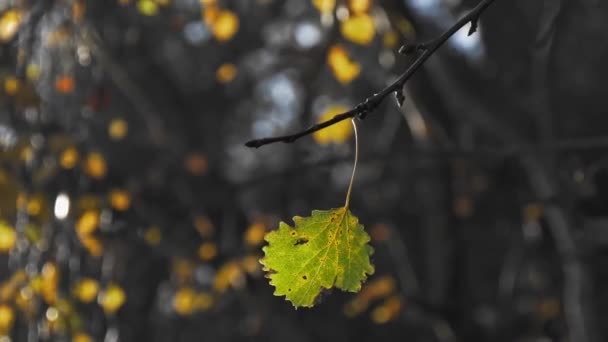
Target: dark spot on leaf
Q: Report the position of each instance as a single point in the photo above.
(304, 277)
(301, 241)
(288, 290)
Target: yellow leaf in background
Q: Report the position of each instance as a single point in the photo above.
(406, 28)
(147, 7)
(225, 25)
(183, 302)
(153, 236)
(112, 299)
(390, 39)
(82, 337)
(9, 24)
(338, 133)
(32, 71)
(359, 29)
(86, 290)
(324, 6)
(203, 301)
(359, 6)
(69, 158)
(48, 282)
(341, 65)
(88, 222)
(8, 237)
(118, 128)
(7, 317)
(229, 275)
(92, 245)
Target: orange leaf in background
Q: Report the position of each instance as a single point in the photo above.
(338, 133)
(183, 269)
(78, 11)
(251, 264)
(254, 235)
(65, 84)
(378, 288)
(196, 163)
(225, 25)
(387, 311)
(359, 29)
(95, 165)
(92, 245)
(11, 85)
(230, 274)
(226, 73)
(210, 13)
(341, 65)
(120, 199)
(69, 158)
(207, 251)
(203, 226)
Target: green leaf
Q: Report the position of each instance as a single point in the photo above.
(328, 249)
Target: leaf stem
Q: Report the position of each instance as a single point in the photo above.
(352, 176)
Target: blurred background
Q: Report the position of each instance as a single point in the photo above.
(130, 209)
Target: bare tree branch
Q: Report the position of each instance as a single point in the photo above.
(372, 102)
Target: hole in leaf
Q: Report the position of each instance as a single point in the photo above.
(301, 241)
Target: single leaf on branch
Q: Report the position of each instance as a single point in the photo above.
(326, 250)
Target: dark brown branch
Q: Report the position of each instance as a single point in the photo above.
(372, 102)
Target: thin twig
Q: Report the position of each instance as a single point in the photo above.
(372, 102)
